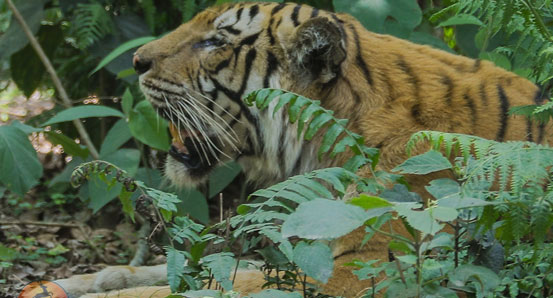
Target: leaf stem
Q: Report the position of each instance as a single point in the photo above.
(57, 82)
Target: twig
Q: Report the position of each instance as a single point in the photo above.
(57, 82)
(398, 264)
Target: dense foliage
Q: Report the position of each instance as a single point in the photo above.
(500, 240)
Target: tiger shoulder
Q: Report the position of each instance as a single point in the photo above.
(197, 75)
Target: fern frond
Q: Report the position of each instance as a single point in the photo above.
(187, 8)
(311, 118)
(91, 23)
(281, 199)
(149, 9)
(519, 21)
(513, 164)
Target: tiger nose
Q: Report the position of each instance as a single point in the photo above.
(141, 65)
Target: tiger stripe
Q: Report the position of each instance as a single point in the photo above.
(388, 88)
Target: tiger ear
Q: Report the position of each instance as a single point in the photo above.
(316, 50)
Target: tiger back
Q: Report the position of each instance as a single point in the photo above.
(197, 75)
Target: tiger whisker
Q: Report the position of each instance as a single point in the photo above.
(214, 102)
(195, 131)
(230, 137)
(210, 144)
(185, 123)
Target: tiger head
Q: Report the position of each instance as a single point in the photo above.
(197, 77)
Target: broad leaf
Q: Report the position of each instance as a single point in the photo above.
(429, 162)
(118, 135)
(122, 49)
(483, 279)
(194, 204)
(222, 176)
(126, 159)
(369, 202)
(148, 127)
(275, 294)
(461, 19)
(14, 39)
(21, 168)
(420, 220)
(315, 260)
(29, 69)
(323, 219)
(443, 187)
(84, 111)
(68, 144)
(376, 15)
(99, 192)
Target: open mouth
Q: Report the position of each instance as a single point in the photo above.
(185, 146)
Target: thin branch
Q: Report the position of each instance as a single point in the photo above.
(57, 82)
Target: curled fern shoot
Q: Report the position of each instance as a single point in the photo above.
(312, 118)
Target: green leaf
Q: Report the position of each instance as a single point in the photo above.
(100, 193)
(443, 187)
(27, 129)
(369, 202)
(14, 39)
(126, 159)
(84, 111)
(118, 135)
(282, 100)
(21, 168)
(429, 162)
(375, 14)
(29, 70)
(443, 213)
(323, 219)
(69, 145)
(273, 256)
(199, 294)
(125, 199)
(7, 254)
(122, 49)
(126, 73)
(316, 124)
(461, 19)
(498, 59)
(222, 176)
(296, 106)
(127, 102)
(193, 203)
(331, 135)
(484, 279)
(150, 177)
(221, 265)
(315, 260)
(148, 127)
(460, 202)
(275, 294)
(175, 267)
(420, 220)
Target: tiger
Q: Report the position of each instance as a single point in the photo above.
(388, 88)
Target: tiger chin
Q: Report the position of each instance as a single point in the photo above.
(388, 88)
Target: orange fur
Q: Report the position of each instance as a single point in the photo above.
(389, 89)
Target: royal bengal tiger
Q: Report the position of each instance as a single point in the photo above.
(389, 88)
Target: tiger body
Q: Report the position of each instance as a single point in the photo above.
(388, 88)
